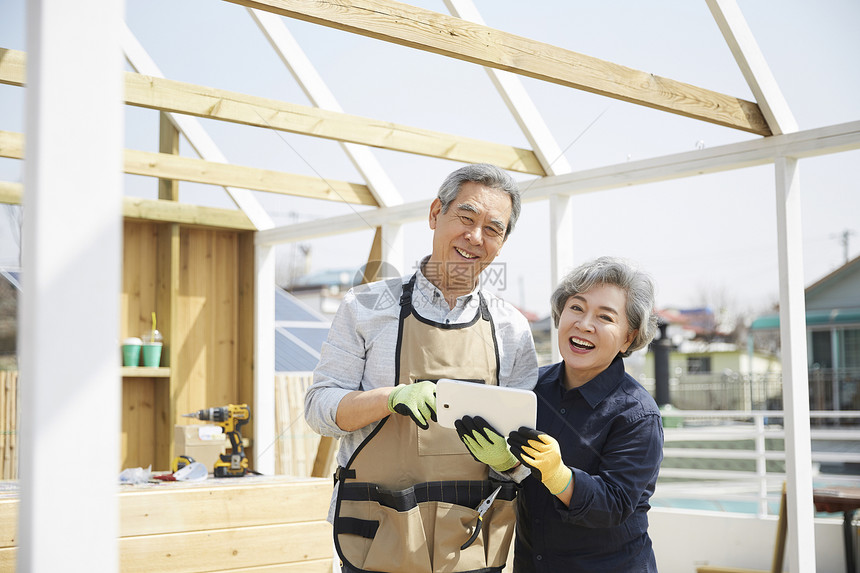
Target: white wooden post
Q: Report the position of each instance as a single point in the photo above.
(392, 248)
(263, 413)
(792, 329)
(72, 256)
(560, 250)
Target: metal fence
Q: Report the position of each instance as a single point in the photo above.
(829, 389)
(735, 460)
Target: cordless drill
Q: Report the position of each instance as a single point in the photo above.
(230, 418)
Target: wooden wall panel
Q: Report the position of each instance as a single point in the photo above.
(245, 331)
(207, 312)
(203, 321)
(138, 301)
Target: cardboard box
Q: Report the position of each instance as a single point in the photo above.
(203, 442)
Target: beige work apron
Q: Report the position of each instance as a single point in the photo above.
(407, 498)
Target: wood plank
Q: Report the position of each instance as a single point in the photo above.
(415, 27)
(200, 171)
(173, 212)
(246, 276)
(169, 95)
(325, 454)
(258, 501)
(171, 527)
(156, 210)
(9, 523)
(8, 557)
(13, 67)
(168, 143)
(145, 372)
(166, 308)
(309, 566)
(173, 168)
(11, 193)
(221, 549)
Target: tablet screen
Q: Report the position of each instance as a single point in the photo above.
(506, 409)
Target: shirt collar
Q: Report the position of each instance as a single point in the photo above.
(598, 388)
(434, 294)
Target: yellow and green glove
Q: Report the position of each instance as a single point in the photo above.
(416, 400)
(542, 454)
(484, 443)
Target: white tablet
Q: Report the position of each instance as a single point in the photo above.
(506, 409)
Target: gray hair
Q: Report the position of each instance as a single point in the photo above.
(487, 175)
(638, 286)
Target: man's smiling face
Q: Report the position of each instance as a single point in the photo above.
(467, 238)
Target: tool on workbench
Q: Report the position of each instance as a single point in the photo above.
(180, 462)
(230, 417)
(482, 509)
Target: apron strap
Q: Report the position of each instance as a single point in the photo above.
(463, 493)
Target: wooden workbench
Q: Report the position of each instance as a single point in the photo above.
(228, 524)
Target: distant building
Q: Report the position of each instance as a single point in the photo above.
(833, 338)
(323, 290)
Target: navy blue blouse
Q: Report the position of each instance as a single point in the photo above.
(611, 436)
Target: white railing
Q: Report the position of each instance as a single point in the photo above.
(754, 441)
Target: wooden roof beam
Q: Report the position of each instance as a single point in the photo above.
(179, 97)
(449, 36)
(168, 166)
(157, 210)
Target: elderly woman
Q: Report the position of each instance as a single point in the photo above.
(596, 452)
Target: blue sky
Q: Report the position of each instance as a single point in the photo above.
(710, 239)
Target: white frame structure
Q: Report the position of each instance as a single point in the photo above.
(57, 47)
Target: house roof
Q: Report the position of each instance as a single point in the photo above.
(831, 300)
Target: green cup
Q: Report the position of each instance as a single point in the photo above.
(151, 354)
(151, 349)
(131, 352)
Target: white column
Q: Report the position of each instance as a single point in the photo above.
(392, 248)
(72, 256)
(263, 412)
(560, 249)
(800, 545)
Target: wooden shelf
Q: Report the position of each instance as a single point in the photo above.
(145, 372)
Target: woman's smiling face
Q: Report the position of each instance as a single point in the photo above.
(592, 330)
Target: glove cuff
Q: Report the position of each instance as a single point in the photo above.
(391, 398)
(559, 481)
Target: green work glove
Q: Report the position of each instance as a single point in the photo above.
(416, 400)
(542, 454)
(484, 443)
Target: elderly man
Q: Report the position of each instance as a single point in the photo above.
(407, 489)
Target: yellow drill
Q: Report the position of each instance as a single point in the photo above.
(230, 418)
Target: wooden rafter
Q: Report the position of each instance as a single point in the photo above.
(168, 166)
(157, 210)
(442, 34)
(211, 103)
